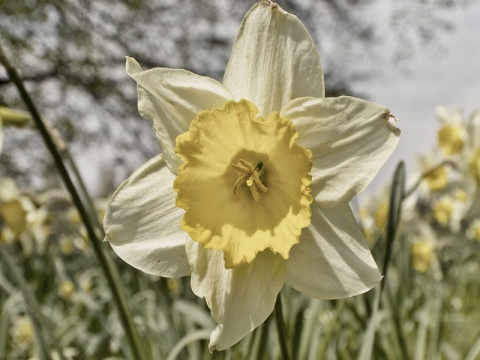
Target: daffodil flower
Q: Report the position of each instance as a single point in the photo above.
(452, 133)
(252, 187)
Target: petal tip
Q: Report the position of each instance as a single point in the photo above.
(271, 4)
(392, 123)
(214, 339)
(132, 66)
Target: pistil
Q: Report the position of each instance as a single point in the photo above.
(250, 176)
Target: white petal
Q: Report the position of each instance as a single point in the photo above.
(332, 260)
(273, 60)
(172, 98)
(241, 298)
(142, 222)
(350, 139)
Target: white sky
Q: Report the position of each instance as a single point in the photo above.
(453, 79)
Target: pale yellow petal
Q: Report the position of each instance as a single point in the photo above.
(171, 99)
(240, 299)
(332, 260)
(350, 139)
(14, 215)
(142, 222)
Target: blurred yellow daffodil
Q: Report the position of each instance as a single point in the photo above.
(473, 231)
(13, 207)
(22, 331)
(66, 289)
(437, 179)
(452, 133)
(11, 117)
(421, 253)
(252, 187)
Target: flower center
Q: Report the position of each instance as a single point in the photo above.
(442, 211)
(259, 157)
(450, 139)
(437, 179)
(250, 176)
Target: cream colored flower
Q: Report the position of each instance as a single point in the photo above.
(470, 166)
(11, 206)
(448, 211)
(421, 254)
(473, 231)
(252, 187)
(22, 331)
(437, 172)
(66, 289)
(452, 133)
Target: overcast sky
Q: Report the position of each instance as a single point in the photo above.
(451, 77)
(413, 89)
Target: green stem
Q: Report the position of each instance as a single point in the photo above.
(333, 330)
(38, 320)
(297, 334)
(397, 325)
(105, 263)
(394, 213)
(281, 328)
(262, 344)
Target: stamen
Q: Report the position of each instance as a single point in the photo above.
(251, 176)
(255, 194)
(259, 182)
(239, 182)
(240, 167)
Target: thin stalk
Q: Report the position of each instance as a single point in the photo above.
(395, 210)
(397, 325)
(333, 330)
(262, 345)
(297, 334)
(105, 263)
(368, 342)
(397, 195)
(38, 320)
(281, 328)
(394, 214)
(252, 341)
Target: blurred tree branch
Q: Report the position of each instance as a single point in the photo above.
(77, 49)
